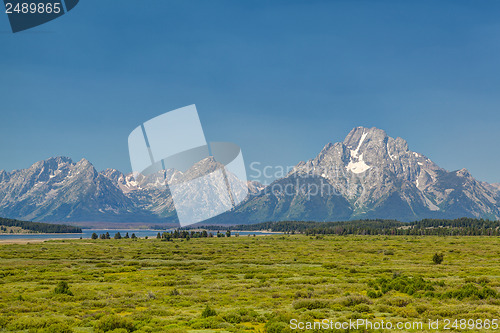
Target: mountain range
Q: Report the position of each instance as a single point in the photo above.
(368, 175)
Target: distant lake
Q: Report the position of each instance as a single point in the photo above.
(87, 233)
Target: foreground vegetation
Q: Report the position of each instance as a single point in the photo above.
(245, 283)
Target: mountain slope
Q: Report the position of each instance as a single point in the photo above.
(368, 175)
(59, 190)
(374, 176)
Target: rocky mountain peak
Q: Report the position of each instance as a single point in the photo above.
(364, 135)
(379, 176)
(373, 138)
(112, 174)
(201, 168)
(61, 160)
(84, 168)
(4, 176)
(84, 163)
(463, 173)
(52, 163)
(373, 176)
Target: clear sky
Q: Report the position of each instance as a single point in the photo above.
(279, 78)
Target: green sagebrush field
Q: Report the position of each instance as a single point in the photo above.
(244, 283)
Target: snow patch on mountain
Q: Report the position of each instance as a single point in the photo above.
(354, 153)
(395, 183)
(358, 166)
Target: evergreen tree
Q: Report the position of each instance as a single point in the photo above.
(438, 258)
(63, 288)
(39, 226)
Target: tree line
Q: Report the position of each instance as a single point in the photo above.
(117, 236)
(169, 235)
(39, 226)
(426, 227)
(192, 234)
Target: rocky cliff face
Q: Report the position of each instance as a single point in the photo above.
(59, 190)
(370, 175)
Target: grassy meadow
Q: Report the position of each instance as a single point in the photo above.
(245, 283)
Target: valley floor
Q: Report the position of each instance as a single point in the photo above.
(248, 283)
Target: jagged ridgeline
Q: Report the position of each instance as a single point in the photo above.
(369, 175)
(457, 227)
(40, 227)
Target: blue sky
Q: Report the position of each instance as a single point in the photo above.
(279, 78)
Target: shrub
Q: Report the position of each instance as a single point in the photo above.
(362, 308)
(278, 322)
(373, 294)
(63, 288)
(311, 304)
(400, 302)
(208, 312)
(276, 327)
(304, 294)
(407, 312)
(404, 284)
(26, 322)
(483, 280)
(58, 328)
(438, 258)
(176, 330)
(354, 300)
(113, 322)
(207, 323)
(471, 291)
(232, 317)
(421, 308)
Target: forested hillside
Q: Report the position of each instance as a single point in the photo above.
(462, 227)
(39, 227)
